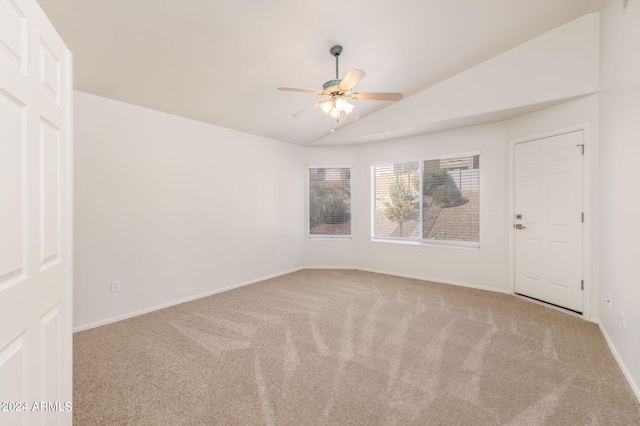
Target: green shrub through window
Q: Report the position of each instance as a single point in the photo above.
(429, 200)
(330, 201)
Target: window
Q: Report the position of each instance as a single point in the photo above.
(434, 200)
(330, 202)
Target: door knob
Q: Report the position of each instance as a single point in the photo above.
(518, 226)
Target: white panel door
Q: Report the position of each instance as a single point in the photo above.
(548, 221)
(35, 218)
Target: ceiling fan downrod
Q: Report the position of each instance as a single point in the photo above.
(336, 51)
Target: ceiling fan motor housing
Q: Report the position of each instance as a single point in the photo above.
(331, 83)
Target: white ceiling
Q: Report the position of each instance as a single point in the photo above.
(221, 61)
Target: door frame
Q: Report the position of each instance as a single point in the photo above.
(589, 202)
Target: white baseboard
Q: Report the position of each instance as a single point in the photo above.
(231, 287)
(436, 280)
(612, 348)
(177, 302)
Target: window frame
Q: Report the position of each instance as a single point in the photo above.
(424, 241)
(308, 202)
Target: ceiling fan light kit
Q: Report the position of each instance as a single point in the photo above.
(334, 106)
(339, 91)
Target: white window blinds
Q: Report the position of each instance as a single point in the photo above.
(330, 201)
(435, 200)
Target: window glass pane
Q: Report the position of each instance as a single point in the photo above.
(330, 201)
(436, 199)
(451, 199)
(396, 195)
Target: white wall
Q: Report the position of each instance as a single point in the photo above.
(489, 266)
(176, 208)
(483, 268)
(619, 201)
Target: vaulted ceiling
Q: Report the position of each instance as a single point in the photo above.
(220, 62)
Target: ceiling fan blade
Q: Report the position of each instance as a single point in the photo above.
(351, 79)
(307, 109)
(352, 116)
(377, 96)
(291, 89)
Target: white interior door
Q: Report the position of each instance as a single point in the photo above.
(548, 220)
(35, 218)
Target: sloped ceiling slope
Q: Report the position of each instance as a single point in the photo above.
(220, 62)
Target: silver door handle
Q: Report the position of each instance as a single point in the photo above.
(518, 226)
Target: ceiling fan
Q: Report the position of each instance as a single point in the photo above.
(339, 91)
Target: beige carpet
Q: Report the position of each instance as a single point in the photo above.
(350, 348)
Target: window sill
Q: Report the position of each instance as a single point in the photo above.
(429, 243)
(329, 237)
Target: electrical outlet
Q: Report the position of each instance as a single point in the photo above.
(609, 300)
(115, 286)
(624, 321)
(277, 253)
(492, 212)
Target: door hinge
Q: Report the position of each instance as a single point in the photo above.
(581, 284)
(581, 145)
(582, 217)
